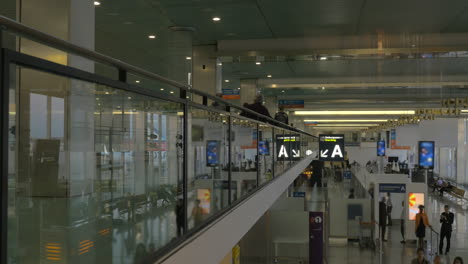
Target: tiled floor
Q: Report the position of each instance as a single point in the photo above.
(341, 251)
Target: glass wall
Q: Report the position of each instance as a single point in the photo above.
(208, 167)
(97, 174)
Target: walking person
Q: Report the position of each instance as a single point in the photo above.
(402, 222)
(446, 220)
(389, 209)
(420, 226)
(421, 259)
(281, 116)
(382, 218)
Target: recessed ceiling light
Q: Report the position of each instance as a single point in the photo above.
(282, 91)
(187, 97)
(323, 58)
(129, 97)
(220, 64)
(258, 63)
(323, 87)
(151, 36)
(269, 76)
(162, 89)
(188, 58)
(106, 92)
(137, 81)
(96, 3)
(172, 92)
(97, 98)
(226, 81)
(273, 85)
(216, 19)
(238, 88)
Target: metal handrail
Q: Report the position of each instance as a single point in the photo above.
(20, 29)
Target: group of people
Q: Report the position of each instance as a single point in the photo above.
(442, 186)
(258, 107)
(421, 223)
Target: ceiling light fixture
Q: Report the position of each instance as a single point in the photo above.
(188, 58)
(220, 64)
(345, 120)
(216, 19)
(282, 91)
(106, 92)
(137, 81)
(162, 89)
(358, 112)
(323, 87)
(269, 76)
(323, 58)
(226, 81)
(172, 92)
(129, 98)
(273, 85)
(238, 88)
(258, 63)
(151, 36)
(97, 3)
(346, 125)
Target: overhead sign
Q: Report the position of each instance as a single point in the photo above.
(231, 94)
(316, 237)
(331, 147)
(299, 194)
(392, 188)
(288, 147)
(291, 103)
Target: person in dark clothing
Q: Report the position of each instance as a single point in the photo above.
(351, 194)
(421, 259)
(180, 217)
(446, 220)
(316, 178)
(458, 260)
(382, 217)
(281, 116)
(258, 107)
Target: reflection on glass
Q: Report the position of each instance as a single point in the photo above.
(208, 165)
(244, 156)
(265, 155)
(91, 173)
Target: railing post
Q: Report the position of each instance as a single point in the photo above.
(185, 167)
(229, 155)
(257, 160)
(4, 98)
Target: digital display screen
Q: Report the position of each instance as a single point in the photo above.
(263, 148)
(212, 153)
(426, 154)
(381, 148)
(414, 201)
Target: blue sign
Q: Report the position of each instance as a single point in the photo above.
(392, 188)
(291, 103)
(231, 94)
(347, 175)
(298, 194)
(426, 154)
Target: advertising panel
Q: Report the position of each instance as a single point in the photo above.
(263, 148)
(204, 195)
(426, 154)
(212, 153)
(381, 148)
(414, 201)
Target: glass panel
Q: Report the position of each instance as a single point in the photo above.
(208, 159)
(280, 152)
(244, 155)
(265, 155)
(95, 174)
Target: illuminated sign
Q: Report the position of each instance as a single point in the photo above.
(414, 201)
(204, 195)
(381, 148)
(288, 147)
(331, 147)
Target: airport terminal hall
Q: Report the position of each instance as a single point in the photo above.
(233, 131)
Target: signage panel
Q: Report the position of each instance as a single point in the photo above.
(288, 147)
(392, 188)
(316, 237)
(299, 194)
(381, 148)
(231, 94)
(291, 103)
(331, 147)
(426, 154)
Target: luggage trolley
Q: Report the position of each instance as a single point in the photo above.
(366, 234)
